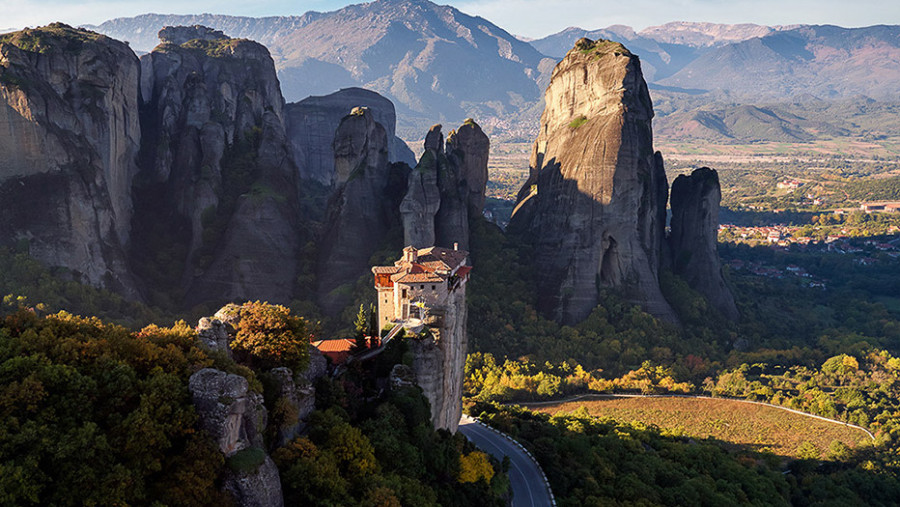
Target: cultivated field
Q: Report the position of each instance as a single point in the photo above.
(748, 425)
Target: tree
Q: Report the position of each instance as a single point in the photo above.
(362, 327)
(270, 335)
(474, 467)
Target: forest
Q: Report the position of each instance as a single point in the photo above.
(831, 352)
(83, 401)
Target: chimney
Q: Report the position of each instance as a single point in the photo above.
(456, 246)
(410, 254)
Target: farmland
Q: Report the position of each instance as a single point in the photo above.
(759, 427)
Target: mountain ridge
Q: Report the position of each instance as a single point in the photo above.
(435, 63)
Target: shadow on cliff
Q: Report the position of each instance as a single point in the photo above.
(626, 256)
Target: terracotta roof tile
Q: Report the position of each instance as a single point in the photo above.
(464, 270)
(433, 265)
(342, 345)
(420, 278)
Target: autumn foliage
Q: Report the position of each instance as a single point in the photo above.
(271, 336)
(93, 414)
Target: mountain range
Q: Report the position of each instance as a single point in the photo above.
(434, 62)
(439, 64)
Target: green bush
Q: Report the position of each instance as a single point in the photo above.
(246, 461)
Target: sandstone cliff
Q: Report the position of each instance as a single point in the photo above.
(439, 362)
(361, 208)
(217, 167)
(312, 122)
(594, 204)
(69, 138)
(468, 148)
(693, 239)
(423, 197)
(446, 187)
(235, 417)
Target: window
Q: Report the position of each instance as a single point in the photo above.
(433, 288)
(422, 287)
(404, 294)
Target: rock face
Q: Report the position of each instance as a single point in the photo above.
(468, 149)
(229, 411)
(360, 210)
(423, 196)
(446, 188)
(257, 488)
(594, 204)
(296, 401)
(439, 362)
(236, 417)
(215, 334)
(695, 224)
(312, 122)
(69, 139)
(217, 164)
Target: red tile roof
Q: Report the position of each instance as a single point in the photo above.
(386, 270)
(432, 265)
(417, 273)
(336, 350)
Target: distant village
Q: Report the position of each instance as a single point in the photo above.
(865, 251)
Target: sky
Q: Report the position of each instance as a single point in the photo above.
(530, 18)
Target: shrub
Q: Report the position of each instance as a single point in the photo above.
(577, 122)
(270, 335)
(246, 461)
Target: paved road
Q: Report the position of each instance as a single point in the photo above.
(524, 475)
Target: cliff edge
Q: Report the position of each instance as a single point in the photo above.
(69, 140)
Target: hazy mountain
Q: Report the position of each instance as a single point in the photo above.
(827, 61)
(658, 60)
(141, 31)
(437, 64)
(434, 62)
(803, 119)
(707, 34)
(664, 49)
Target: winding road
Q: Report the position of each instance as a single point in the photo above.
(525, 476)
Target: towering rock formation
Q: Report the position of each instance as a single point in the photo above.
(468, 148)
(594, 204)
(217, 160)
(695, 224)
(69, 138)
(446, 187)
(360, 210)
(439, 361)
(423, 197)
(425, 291)
(311, 124)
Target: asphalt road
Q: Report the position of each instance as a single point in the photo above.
(524, 475)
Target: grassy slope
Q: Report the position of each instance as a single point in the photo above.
(756, 426)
